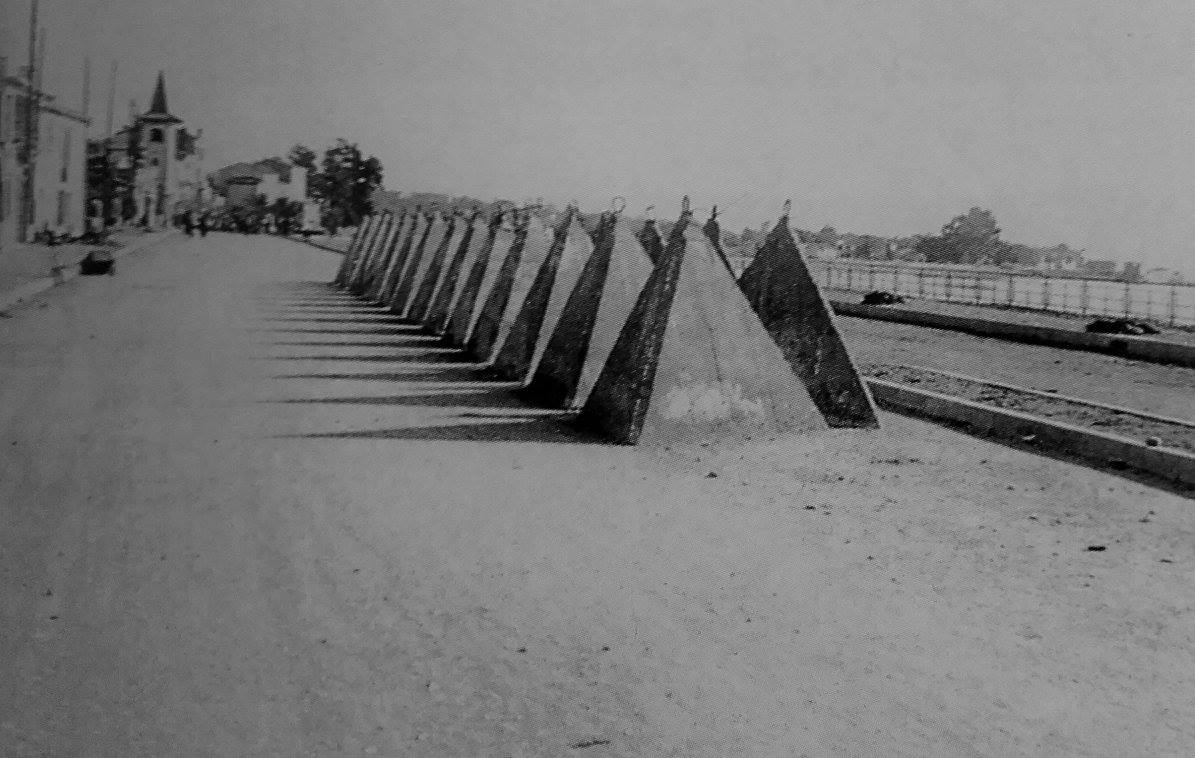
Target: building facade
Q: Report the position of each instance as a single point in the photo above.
(57, 151)
(266, 181)
(149, 170)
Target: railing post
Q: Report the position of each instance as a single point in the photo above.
(1172, 306)
(1011, 289)
(1084, 296)
(1045, 293)
(1128, 299)
(921, 282)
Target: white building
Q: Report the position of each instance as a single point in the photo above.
(270, 179)
(60, 165)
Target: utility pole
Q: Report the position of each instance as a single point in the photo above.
(110, 170)
(87, 90)
(31, 118)
(86, 202)
(3, 149)
(111, 101)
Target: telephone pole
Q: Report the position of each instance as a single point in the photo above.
(87, 89)
(111, 100)
(4, 216)
(31, 126)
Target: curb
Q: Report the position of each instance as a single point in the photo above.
(1123, 346)
(328, 248)
(26, 291)
(1112, 451)
(1053, 396)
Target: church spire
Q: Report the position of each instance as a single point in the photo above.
(157, 105)
(159, 112)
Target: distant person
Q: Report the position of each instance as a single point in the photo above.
(188, 224)
(203, 224)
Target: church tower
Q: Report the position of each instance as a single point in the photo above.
(168, 180)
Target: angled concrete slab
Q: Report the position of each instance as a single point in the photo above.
(592, 318)
(352, 251)
(405, 257)
(455, 274)
(510, 288)
(373, 254)
(401, 245)
(354, 282)
(373, 278)
(554, 283)
(791, 306)
(481, 280)
(434, 277)
(421, 259)
(694, 363)
(649, 238)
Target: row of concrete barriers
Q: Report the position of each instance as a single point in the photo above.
(650, 340)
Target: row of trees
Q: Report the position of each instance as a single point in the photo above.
(343, 180)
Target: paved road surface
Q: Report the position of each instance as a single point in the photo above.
(242, 515)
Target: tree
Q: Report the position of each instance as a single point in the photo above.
(347, 181)
(286, 214)
(966, 238)
(973, 235)
(304, 157)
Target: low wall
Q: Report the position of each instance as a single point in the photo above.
(1137, 348)
(984, 420)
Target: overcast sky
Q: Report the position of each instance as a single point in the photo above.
(1071, 119)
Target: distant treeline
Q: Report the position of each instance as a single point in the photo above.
(971, 238)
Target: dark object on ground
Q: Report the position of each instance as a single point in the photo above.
(94, 237)
(879, 297)
(97, 262)
(1096, 548)
(1121, 326)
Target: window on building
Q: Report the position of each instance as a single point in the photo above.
(157, 135)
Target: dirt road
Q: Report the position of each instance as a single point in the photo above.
(242, 515)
